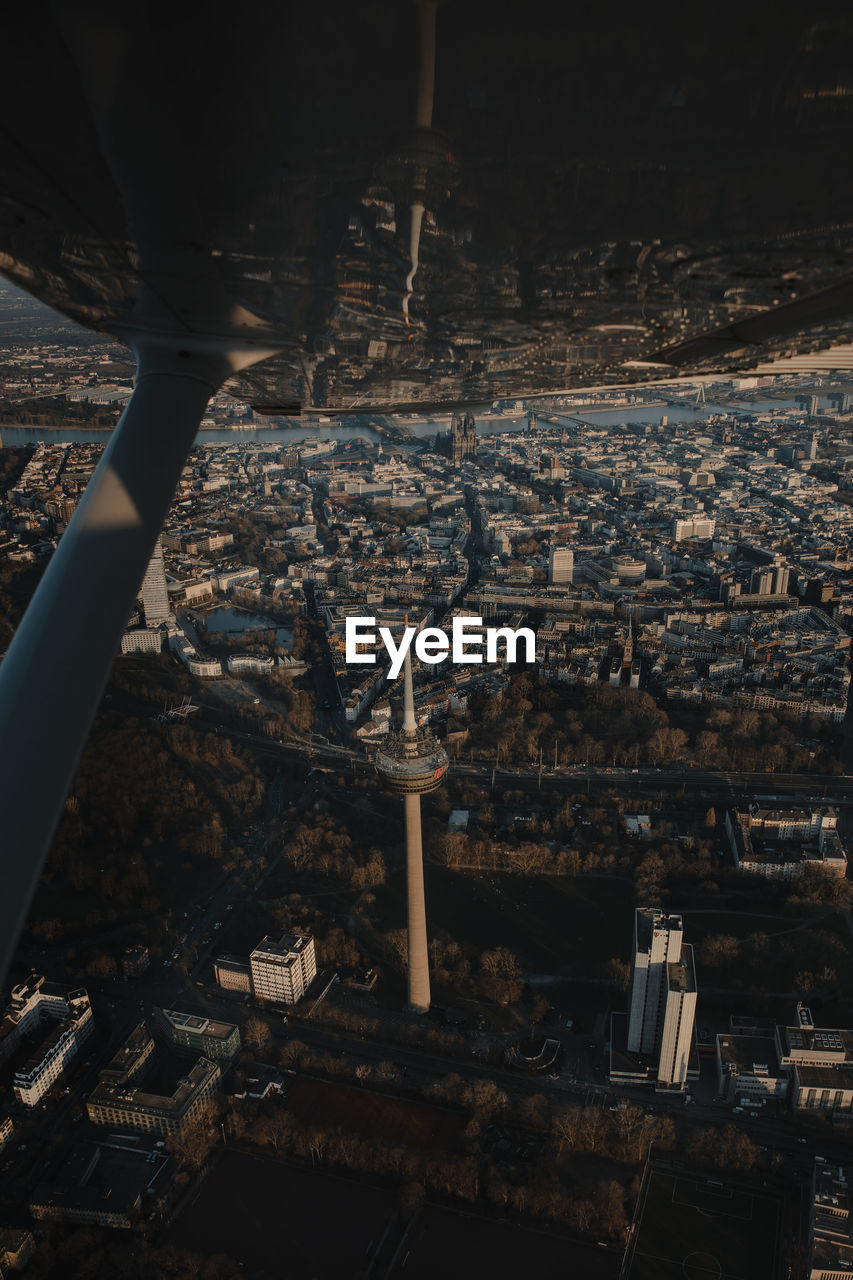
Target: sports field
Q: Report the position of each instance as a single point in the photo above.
(696, 1227)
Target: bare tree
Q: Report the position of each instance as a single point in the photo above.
(193, 1143)
(256, 1034)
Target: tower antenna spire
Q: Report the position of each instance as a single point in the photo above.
(409, 726)
(412, 765)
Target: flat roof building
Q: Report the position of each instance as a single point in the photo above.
(283, 970)
(32, 1003)
(661, 1002)
(233, 973)
(118, 1100)
(748, 1069)
(97, 1186)
(218, 1041)
(830, 1237)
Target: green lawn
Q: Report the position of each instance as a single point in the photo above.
(701, 1228)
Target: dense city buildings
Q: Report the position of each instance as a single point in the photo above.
(540, 324)
(699, 572)
(722, 546)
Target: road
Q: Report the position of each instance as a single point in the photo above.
(832, 789)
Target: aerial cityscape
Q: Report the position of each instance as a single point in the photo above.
(426, 604)
(589, 983)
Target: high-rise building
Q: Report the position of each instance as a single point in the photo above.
(761, 582)
(283, 970)
(561, 565)
(155, 597)
(412, 765)
(662, 996)
(781, 580)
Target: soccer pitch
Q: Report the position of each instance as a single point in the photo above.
(695, 1227)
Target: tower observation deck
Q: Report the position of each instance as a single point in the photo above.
(412, 765)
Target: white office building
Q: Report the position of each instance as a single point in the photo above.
(561, 565)
(142, 640)
(662, 997)
(282, 971)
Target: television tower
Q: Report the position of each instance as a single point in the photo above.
(412, 765)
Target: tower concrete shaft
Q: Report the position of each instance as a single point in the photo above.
(411, 765)
(418, 954)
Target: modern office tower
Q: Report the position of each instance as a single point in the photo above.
(463, 438)
(561, 565)
(412, 765)
(155, 597)
(662, 996)
(283, 970)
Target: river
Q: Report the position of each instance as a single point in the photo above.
(421, 427)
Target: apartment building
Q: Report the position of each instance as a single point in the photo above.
(662, 997)
(283, 970)
(33, 1003)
